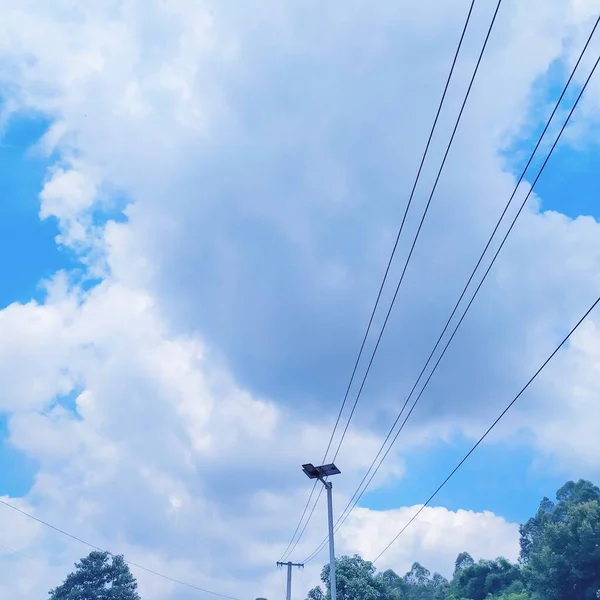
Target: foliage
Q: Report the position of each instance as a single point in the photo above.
(560, 546)
(512, 596)
(485, 578)
(559, 560)
(355, 579)
(463, 561)
(98, 576)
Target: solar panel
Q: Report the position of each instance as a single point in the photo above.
(320, 472)
(328, 470)
(311, 470)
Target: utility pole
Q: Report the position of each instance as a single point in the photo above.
(332, 579)
(322, 473)
(289, 565)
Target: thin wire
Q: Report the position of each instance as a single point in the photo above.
(282, 582)
(82, 541)
(288, 551)
(412, 248)
(414, 243)
(308, 520)
(404, 216)
(486, 272)
(13, 551)
(345, 514)
(290, 548)
(303, 581)
(508, 407)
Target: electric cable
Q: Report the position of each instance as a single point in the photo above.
(354, 500)
(487, 432)
(291, 548)
(94, 547)
(417, 234)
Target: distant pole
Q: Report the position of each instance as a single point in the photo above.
(289, 565)
(288, 594)
(332, 582)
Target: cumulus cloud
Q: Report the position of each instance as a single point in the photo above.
(435, 539)
(155, 446)
(264, 152)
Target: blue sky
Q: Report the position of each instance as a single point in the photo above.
(570, 186)
(28, 256)
(29, 252)
(222, 305)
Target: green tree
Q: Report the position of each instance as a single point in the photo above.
(486, 578)
(559, 560)
(421, 585)
(560, 545)
(395, 588)
(463, 560)
(98, 576)
(523, 595)
(417, 576)
(316, 594)
(355, 580)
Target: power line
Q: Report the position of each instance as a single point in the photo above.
(417, 234)
(282, 581)
(401, 229)
(137, 566)
(508, 407)
(355, 499)
(427, 206)
(291, 548)
(308, 520)
(13, 551)
(292, 545)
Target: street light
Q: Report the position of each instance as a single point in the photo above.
(320, 473)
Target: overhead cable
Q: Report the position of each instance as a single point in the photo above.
(94, 547)
(358, 494)
(487, 432)
(294, 541)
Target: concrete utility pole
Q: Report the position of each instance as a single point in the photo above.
(289, 565)
(332, 577)
(322, 473)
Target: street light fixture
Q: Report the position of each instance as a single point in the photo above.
(321, 473)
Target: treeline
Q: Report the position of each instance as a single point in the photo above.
(559, 560)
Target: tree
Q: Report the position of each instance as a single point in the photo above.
(421, 585)
(395, 587)
(463, 560)
(568, 495)
(418, 575)
(486, 578)
(355, 580)
(512, 596)
(560, 546)
(316, 594)
(531, 531)
(559, 560)
(98, 576)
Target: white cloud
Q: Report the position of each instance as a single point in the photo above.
(563, 413)
(266, 150)
(160, 440)
(435, 538)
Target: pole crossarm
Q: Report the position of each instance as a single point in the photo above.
(289, 565)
